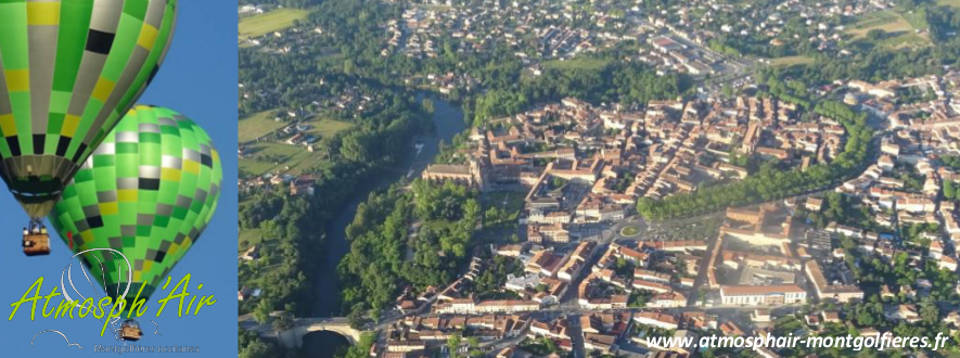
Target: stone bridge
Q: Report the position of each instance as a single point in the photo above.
(293, 336)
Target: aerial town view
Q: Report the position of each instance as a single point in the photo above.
(599, 178)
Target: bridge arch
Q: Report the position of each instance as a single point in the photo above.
(293, 337)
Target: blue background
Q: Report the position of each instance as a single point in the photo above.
(199, 79)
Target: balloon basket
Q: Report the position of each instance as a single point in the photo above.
(130, 330)
(36, 242)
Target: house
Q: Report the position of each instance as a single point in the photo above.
(247, 293)
(947, 263)
(830, 317)
(656, 319)
(599, 342)
(555, 329)
(303, 184)
(651, 286)
(813, 204)
(902, 312)
(760, 316)
(731, 329)
(670, 299)
(614, 302)
(252, 253)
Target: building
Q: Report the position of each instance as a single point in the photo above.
(668, 300)
(656, 319)
(825, 290)
(471, 174)
(761, 295)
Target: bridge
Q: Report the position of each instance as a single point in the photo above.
(293, 337)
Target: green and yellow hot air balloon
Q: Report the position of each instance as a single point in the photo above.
(68, 71)
(148, 191)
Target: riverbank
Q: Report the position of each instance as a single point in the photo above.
(448, 122)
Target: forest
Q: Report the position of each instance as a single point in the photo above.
(292, 228)
(398, 238)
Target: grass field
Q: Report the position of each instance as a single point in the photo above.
(276, 20)
(629, 231)
(499, 229)
(280, 157)
(888, 21)
(787, 61)
(954, 3)
(906, 40)
(267, 157)
(249, 237)
(327, 127)
(900, 30)
(505, 200)
(257, 125)
(254, 167)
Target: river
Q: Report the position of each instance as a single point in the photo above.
(448, 122)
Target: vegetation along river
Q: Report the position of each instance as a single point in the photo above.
(448, 122)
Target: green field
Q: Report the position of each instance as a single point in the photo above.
(276, 20)
(327, 127)
(787, 61)
(254, 167)
(954, 3)
(249, 237)
(505, 200)
(629, 231)
(900, 30)
(263, 123)
(256, 125)
(281, 158)
(887, 21)
(906, 40)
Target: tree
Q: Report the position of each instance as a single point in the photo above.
(453, 344)
(428, 105)
(355, 317)
(262, 312)
(362, 348)
(929, 312)
(283, 322)
(252, 346)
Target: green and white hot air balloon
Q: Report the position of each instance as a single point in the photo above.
(148, 192)
(69, 70)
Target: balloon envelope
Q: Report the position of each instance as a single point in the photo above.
(148, 191)
(68, 71)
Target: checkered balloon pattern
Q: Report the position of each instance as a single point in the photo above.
(148, 191)
(68, 71)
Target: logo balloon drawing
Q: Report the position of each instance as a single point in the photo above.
(69, 70)
(148, 191)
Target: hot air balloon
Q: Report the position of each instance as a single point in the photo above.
(148, 192)
(68, 71)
